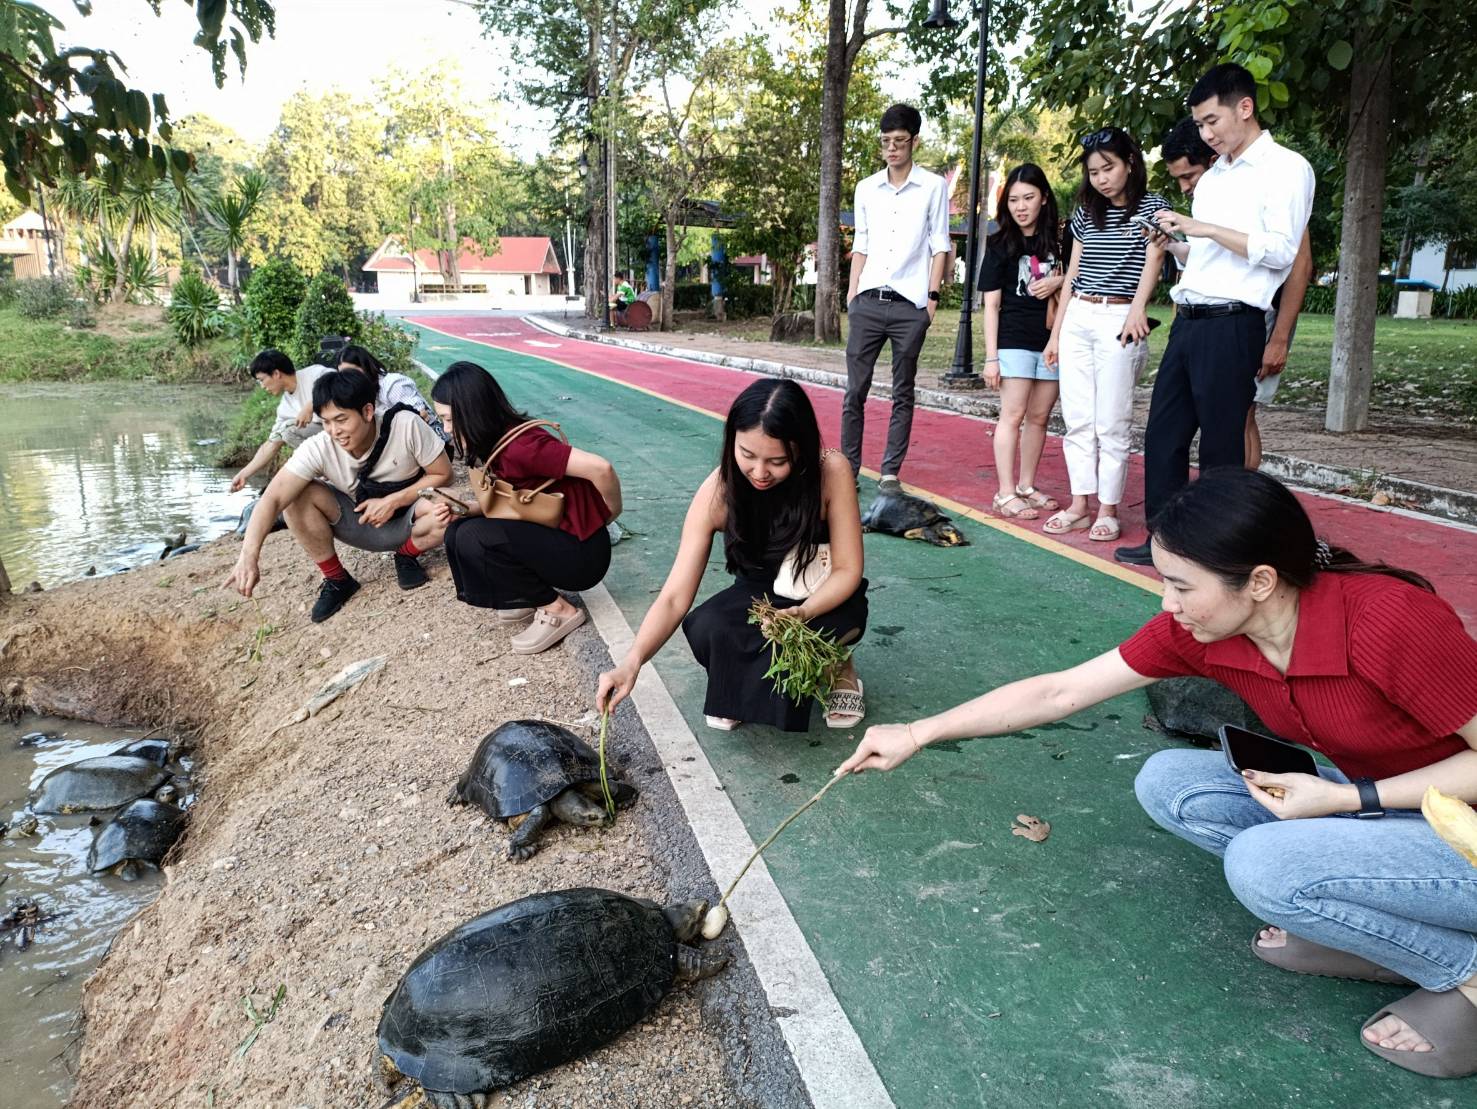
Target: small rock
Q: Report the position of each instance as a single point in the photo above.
(325, 652)
(227, 863)
(514, 683)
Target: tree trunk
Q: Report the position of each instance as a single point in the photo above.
(231, 275)
(4, 583)
(597, 284)
(828, 225)
(669, 271)
(1352, 371)
(1407, 239)
(120, 259)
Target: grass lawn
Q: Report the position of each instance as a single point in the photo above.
(1422, 367)
(138, 348)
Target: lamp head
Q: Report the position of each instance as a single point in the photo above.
(939, 17)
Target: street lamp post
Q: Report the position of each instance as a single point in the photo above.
(962, 370)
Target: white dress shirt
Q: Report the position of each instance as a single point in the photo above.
(900, 230)
(1267, 193)
(284, 428)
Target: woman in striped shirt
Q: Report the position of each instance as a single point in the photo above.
(1100, 339)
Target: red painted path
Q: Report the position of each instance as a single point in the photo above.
(951, 458)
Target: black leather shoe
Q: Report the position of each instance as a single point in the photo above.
(1135, 556)
(332, 596)
(409, 573)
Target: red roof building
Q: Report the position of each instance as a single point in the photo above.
(524, 265)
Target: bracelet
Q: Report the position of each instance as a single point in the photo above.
(989, 360)
(914, 742)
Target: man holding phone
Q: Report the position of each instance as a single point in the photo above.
(1249, 215)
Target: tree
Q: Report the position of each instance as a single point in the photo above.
(112, 220)
(67, 111)
(228, 212)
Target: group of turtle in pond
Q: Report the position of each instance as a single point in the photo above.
(544, 979)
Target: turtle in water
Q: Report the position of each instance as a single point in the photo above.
(157, 751)
(139, 834)
(530, 985)
(91, 785)
(527, 772)
(912, 518)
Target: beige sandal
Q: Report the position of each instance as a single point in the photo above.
(1025, 512)
(845, 708)
(1037, 499)
(1105, 529)
(1064, 522)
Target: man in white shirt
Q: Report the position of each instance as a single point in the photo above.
(295, 423)
(358, 483)
(897, 265)
(1247, 221)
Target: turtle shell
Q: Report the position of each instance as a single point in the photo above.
(98, 783)
(524, 763)
(897, 514)
(528, 986)
(142, 831)
(155, 750)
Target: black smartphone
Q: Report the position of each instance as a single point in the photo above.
(1153, 226)
(1250, 751)
(1123, 339)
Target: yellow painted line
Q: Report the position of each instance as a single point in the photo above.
(1015, 531)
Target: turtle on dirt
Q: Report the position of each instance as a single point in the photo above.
(140, 834)
(527, 772)
(91, 785)
(532, 984)
(912, 518)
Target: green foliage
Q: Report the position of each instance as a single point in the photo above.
(274, 293)
(1460, 305)
(1320, 299)
(803, 662)
(326, 309)
(194, 310)
(391, 344)
(7, 291)
(249, 428)
(42, 298)
(81, 315)
(52, 350)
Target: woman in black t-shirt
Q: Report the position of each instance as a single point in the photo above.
(1020, 277)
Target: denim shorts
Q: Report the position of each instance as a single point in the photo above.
(1025, 363)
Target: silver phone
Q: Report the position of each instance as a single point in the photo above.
(1150, 225)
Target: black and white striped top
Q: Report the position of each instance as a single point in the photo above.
(1113, 257)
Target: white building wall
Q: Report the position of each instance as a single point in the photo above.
(395, 285)
(1428, 263)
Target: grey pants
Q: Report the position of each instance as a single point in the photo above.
(872, 323)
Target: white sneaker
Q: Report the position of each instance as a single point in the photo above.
(721, 723)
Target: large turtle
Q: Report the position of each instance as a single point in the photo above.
(532, 984)
(527, 772)
(105, 782)
(156, 751)
(912, 518)
(139, 834)
(1195, 708)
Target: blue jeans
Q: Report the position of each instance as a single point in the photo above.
(1390, 889)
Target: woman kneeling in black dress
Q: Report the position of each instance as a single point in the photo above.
(774, 492)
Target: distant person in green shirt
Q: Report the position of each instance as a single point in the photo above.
(625, 294)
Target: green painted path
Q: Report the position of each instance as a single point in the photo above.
(1108, 966)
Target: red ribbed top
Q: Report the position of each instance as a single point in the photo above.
(1382, 674)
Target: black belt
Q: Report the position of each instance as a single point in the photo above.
(884, 295)
(1205, 311)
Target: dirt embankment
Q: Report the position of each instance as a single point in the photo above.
(323, 858)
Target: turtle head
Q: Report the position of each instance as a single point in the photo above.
(945, 534)
(686, 918)
(575, 806)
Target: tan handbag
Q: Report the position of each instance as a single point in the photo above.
(498, 498)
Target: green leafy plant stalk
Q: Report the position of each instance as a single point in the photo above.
(604, 780)
(803, 662)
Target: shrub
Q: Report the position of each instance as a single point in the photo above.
(42, 298)
(392, 345)
(1458, 305)
(327, 309)
(249, 428)
(194, 310)
(269, 310)
(80, 315)
(7, 291)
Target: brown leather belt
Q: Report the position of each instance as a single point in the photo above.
(1094, 299)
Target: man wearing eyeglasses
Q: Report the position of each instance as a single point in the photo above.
(897, 265)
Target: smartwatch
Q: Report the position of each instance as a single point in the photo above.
(1369, 799)
(934, 295)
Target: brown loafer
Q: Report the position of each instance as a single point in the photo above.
(545, 632)
(1447, 1021)
(1306, 957)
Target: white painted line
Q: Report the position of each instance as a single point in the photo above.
(829, 1055)
(541, 343)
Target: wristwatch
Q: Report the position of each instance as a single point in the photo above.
(1369, 799)
(934, 295)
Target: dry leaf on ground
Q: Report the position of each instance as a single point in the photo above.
(1032, 828)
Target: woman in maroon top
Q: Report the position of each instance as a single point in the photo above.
(515, 566)
(1363, 663)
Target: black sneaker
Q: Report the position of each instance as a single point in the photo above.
(409, 573)
(332, 596)
(1135, 556)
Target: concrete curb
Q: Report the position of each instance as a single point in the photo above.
(1433, 501)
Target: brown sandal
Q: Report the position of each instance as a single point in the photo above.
(1037, 499)
(1306, 957)
(1447, 1021)
(1025, 512)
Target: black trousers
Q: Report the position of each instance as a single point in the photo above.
(517, 564)
(871, 324)
(1206, 380)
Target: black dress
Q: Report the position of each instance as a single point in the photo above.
(735, 653)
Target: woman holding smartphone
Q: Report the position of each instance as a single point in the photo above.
(1020, 277)
(1361, 662)
(1099, 338)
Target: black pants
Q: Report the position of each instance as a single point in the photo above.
(516, 564)
(1206, 380)
(870, 324)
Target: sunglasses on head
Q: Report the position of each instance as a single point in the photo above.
(1095, 139)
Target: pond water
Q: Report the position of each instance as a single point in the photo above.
(99, 476)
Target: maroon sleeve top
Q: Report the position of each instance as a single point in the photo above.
(536, 456)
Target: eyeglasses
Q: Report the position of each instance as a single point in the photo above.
(1100, 138)
(897, 144)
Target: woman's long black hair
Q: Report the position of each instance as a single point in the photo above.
(1045, 241)
(480, 412)
(1120, 144)
(362, 360)
(1233, 520)
(763, 525)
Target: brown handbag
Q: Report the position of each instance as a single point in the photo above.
(498, 498)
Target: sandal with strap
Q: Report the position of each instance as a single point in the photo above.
(845, 708)
(1037, 499)
(1105, 529)
(1446, 1020)
(1025, 512)
(1306, 957)
(1064, 522)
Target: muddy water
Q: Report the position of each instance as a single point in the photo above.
(99, 475)
(41, 987)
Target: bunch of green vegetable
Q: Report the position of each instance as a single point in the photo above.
(604, 780)
(803, 662)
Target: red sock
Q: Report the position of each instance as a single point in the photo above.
(408, 548)
(333, 569)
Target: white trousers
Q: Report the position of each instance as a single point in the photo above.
(1097, 375)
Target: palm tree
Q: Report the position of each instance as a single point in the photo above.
(117, 217)
(228, 212)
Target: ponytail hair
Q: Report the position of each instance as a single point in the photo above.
(1233, 520)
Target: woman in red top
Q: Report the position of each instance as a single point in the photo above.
(1363, 663)
(515, 566)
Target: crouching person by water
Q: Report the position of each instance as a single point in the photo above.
(775, 493)
(516, 567)
(1361, 662)
(357, 484)
(294, 424)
